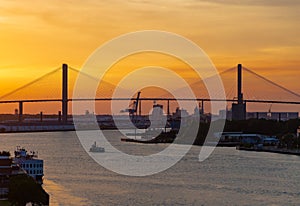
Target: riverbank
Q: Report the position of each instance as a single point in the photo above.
(271, 150)
(5, 203)
(227, 177)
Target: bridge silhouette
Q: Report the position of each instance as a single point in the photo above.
(268, 93)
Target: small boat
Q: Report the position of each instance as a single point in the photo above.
(94, 148)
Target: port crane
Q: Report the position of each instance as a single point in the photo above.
(269, 114)
(132, 110)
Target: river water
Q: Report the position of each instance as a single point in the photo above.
(227, 177)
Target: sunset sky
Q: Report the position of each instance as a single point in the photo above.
(38, 36)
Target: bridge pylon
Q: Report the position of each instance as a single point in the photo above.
(239, 109)
(64, 93)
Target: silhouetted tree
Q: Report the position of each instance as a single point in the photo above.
(23, 189)
(259, 126)
(5, 153)
(289, 141)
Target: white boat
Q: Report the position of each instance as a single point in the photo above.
(94, 148)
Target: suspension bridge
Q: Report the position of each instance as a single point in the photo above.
(242, 86)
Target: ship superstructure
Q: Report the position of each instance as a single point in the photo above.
(28, 161)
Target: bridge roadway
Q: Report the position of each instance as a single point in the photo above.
(150, 99)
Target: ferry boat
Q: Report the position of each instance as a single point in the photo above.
(28, 162)
(95, 148)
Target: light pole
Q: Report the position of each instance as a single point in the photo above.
(298, 134)
(298, 142)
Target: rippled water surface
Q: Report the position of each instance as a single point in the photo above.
(227, 177)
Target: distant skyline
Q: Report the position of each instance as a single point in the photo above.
(38, 36)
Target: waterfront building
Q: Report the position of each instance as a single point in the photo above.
(7, 169)
(225, 114)
(236, 138)
(279, 116)
(258, 139)
(180, 113)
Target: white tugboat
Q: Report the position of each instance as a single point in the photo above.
(28, 161)
(94, 148)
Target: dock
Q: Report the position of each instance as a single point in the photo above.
(271, 150)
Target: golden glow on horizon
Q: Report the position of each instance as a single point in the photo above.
(37, 36)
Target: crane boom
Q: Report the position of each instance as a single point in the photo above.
(134, 106)
(137, 102)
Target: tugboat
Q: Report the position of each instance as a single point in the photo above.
(28, 162)
(94, 148)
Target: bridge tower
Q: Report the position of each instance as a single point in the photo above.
(239, 109)
(64, 93)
